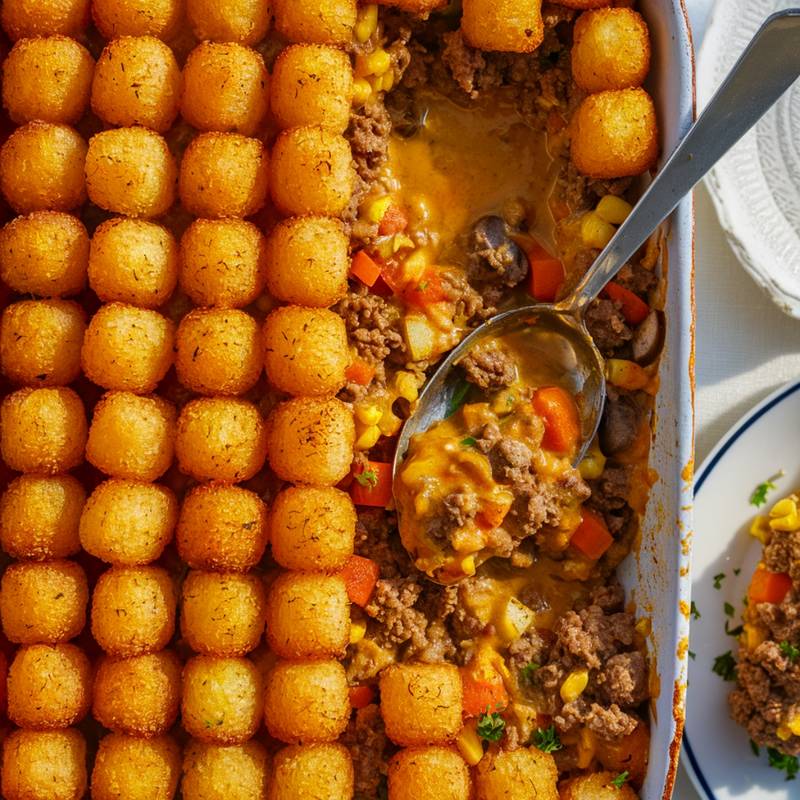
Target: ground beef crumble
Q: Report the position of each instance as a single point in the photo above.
(488, 366)
(366, 740)
(372, 323)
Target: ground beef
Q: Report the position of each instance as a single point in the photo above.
(610, 496)
(464, 62)
(489, 366)
(782, 554)
(590, 637)
(493, 256)
(469, 304)
(782, 621)
(366, 740)
(607, 325)
(372, 323)
(461, 507)
(605, 722)
(623, 679)
(636, 278)
(621, 422)
(530, 648)
(368, 134)
(377, 539)
(609, 597)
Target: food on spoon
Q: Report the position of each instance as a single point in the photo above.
(316, 21)
(242, 21)
(301, 770)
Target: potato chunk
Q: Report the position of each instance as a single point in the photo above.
(517, 775)
(513, 26)
(423, 772)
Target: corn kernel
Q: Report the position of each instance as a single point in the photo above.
(760, 529)
(469, 745)
(784, 516)
(468, 565)
(783, 732)
(794, 726)
(613, 209)
(783, 507)
(377, 62)
(369, 438)
(753, 636)
(643, 626)
(361, 91)
(574, 684)
(377, 208)
(389, 423)
(406, 385)
(592, 464)
(387, 80)
(368, 414)
(366, 22)
(596, 232)
(357, 631)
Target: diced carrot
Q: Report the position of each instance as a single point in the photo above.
(360, 576)
(428, 291)
(634, 309)
(360, 372)
(482, 689)
(557, 409)
(373, 485)
(364, 268)
(591, 537)
(492, 514)
(393, 221)
(768, 587)
(361, 696)
(546, 274)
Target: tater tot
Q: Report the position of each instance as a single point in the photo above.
(221, 528)
(131, 436)
(312, 85)
(60, 92)
(421, 703)
(514, 26)
(312, 172)
(305, 350)
(49, 686)
(127, 348)
(136, 769)
(45, 253)
(610, 50)
(39, 517)
(43, 602)
(222, 615)
(517, 775)
(242, 21)
(421, 772)
(220, 439)
(133, 610)
(44, 764)
(316, 21)
(218, 351)
(127, 522)
(212, 101)
(233, 772)
(130, 171)
(42, 430)
(310, 440)
(26, 18)
(41, 168)
(308, 616)
(312, 528)
(133, 261)
(308, 261)
(138, 696)
(115, 18)
(222, 699)
(300, 770)
(222, 262)
(306, 701)
(40, 342)
(137, 81)
(615, 134)
(224, 175)
(597, 786)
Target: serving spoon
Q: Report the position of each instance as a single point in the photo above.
(557, 332)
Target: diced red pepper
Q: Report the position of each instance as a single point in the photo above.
(360, 372)
(634, 309)
(373, 485)
(364, 268)
(360, 576)
(393, 221)
(428, 291)
(546, 274)
(361, 696)
(768, 587)
(482, 689)
(591, 537)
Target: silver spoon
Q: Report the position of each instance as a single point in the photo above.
(768, 66)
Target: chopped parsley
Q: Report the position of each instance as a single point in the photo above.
(458, 397)
(470, 441)
(718, 578)
(694, 612)
(692, 655)
(737, 570)
(491, 726)
(546, 739)
(367, 478)
(422, 286)
(620, 780)
(528, 670)
(759, 496)
(728, 608)
(784, 763)
(725, 666)
(755, 748)
(790, 651)
(737, 631)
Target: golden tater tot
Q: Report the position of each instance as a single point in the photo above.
(44, 764)
(39, 517)
(26, 18)
(127, 522)
(306, 701)
(224, 175)
(220, 439)
(222, 615)
(222, 263)
(517, 775)
(130, 171)
(49, 686)
(308, 616)
(242, 21)
(312, 172)
(316, 21)
(513, 26)
(212, 101)
(305, 350)
(133, 261)
(131, 436)
(221, 528)
(421, 703)
(615, 134)
(136, 769)
(133, 610)
(312, 528)
(127, 348)
(218, 351)
(138, 696)
(611, 49)
(41, 168)
(421, 772)
(310, 440)
(308, 261)
(40, 342)
(45, 253)
(43, 602)
(597, 786)
(299, 770)
(60, 91)
(312, 85)
(232, 772)
(42, 430)
(137, 81)
(115, 18)
(222, 699)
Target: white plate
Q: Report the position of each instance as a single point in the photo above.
(717, 752)
(756, 187)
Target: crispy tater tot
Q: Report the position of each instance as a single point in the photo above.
(517, 775)
(242, 21)
(597, 786)
(513, 26)
(40, 342)
(60, 92)
(300, 770)
(41, 168)
(26, 18)
(43, 602)
(42, 430)
(136, 769)
(438, 772)
(233, 772)
(316, 21)
(115, 18)
(138, 696)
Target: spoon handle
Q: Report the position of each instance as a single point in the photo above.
(766, 69)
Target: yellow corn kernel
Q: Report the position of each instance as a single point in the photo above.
(760, 529)
(361, 91)
(369, 438)
(613, 209)
(783, 515)
(783, 732)
(468, 565)
(592, 464)
(406, 385)
(586, 748)
(794, 726)
(369, 414)
(469, 745)
(377, 208)
(357, 631)
(387, 80)
(366, 22)
(389, 423)
(377, 62)
(643, 626)
(574, 684)
(596, 232)
(415, 265)
(783, 507)
(753, 636)
(626, 374)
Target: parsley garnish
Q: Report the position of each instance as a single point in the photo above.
(737, 570)
(737, 631)
(728, 608)
(694, 612)
(458, 397)
(528, 670)
(470, 441)
(725, 666)
(422, 286)
(781, 761)
(718, 578)
(790, 651)
(692, 655)
(620, 780)
(759, 496)
(491, 726)
(367, 478)
(755, 748)
(546, 739)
